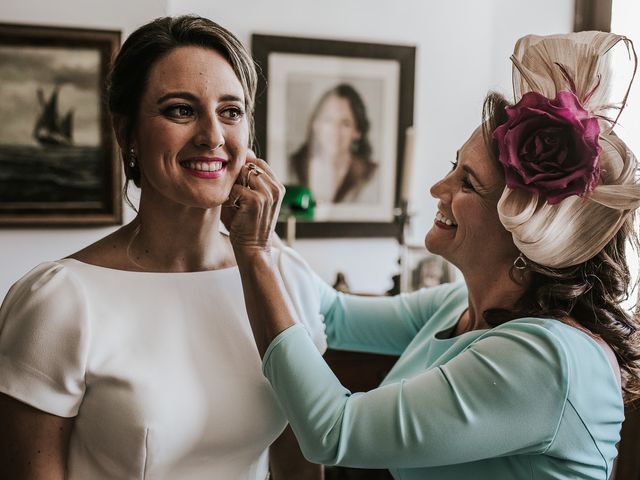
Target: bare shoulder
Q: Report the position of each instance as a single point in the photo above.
(109, 251)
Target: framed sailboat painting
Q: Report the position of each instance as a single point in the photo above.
(58, 160)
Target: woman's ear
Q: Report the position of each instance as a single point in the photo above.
(120, 124)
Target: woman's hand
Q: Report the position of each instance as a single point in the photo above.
(251, 212)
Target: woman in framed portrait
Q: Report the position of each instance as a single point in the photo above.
(335, 159)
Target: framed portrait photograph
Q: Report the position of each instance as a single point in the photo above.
(331, 116)
(58, 161)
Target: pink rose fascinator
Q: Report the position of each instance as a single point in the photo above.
(570, 181)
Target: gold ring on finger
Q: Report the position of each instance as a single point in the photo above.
(246, 183)
(254, 168)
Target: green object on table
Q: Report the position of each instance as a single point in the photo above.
(298, 202)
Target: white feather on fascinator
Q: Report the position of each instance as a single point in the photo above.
(571, 182)
(578, 62)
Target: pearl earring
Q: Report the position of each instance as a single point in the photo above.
(133, 159)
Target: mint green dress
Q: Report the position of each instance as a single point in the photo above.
(530, 399)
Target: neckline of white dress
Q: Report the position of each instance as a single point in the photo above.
(233, 268)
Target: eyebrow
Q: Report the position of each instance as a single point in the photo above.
(193, 98)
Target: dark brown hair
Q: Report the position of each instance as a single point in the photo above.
(128, 77)
(590, 292)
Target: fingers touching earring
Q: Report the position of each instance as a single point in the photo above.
(252, 168)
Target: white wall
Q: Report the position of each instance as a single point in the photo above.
(112, 15)
(462, 51)
(624, 21)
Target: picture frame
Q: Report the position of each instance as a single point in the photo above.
(305, 89)
(58, 159)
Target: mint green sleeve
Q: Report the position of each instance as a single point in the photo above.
(382, 324)
(462, 411)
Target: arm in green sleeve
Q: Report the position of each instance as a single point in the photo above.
(383, 324)
(461, 411)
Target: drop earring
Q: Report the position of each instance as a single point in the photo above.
(133, 159)
(520, 263)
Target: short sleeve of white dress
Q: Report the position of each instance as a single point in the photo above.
(44, 340)
(305, 289)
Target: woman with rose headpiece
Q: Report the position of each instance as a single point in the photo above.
(523, 370)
